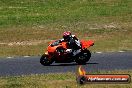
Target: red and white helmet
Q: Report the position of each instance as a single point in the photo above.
(66, 35)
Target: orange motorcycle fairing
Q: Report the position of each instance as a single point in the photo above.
(52, 49)
(87, 43)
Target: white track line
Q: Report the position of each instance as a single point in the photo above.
(98, 52)
(26, 56)
(121, 51)
(9, 57)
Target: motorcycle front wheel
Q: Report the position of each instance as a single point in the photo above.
(45, 61)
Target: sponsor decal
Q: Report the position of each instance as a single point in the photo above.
(83, 78)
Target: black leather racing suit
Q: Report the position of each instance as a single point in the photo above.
(73, 43)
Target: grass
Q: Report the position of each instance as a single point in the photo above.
(22, 12)
(107, 22)
(59, 80)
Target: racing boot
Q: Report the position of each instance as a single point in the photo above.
(69, 50)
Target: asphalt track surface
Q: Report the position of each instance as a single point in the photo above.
(99, 61)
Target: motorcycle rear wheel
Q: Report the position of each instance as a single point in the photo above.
(44, 60)
(83, 57)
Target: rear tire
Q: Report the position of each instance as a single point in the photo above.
(44, 60)
(83, 57)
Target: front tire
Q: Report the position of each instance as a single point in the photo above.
(45, 61)
(83, 57)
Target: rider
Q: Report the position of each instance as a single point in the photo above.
(73, 43)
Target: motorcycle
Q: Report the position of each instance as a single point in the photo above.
(56, 52)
